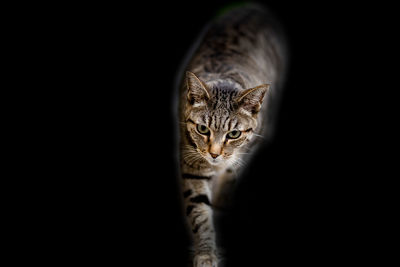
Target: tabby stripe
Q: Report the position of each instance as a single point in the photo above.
(231, 97)
(189, 209)
(200, 199)
(212, 121)
(215, 105)
(196, 177)
(224, 124)
(195, 218)
(230, 125)
(190, 140)
(189, 120)
(217, 121)
(205, 119)
(196, 228)
(187, 193)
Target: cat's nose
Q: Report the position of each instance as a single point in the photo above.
(214, 156)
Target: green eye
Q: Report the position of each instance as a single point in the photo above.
(203, 129)
(234, 134)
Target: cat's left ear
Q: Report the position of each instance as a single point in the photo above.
(197, 91)
(250, 100)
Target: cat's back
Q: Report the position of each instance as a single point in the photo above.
(245, 44)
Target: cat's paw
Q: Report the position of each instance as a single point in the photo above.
(205, 260)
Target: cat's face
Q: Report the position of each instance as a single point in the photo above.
(218, 134)
(220, 121)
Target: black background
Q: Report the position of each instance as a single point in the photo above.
(114, 195)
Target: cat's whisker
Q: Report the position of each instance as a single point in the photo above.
(234, 164)
(234, 171)
(189, 147)
(191, 155)
(239, 162)
(242, 161)
(247, 149)
(191, 158)
(259, 135)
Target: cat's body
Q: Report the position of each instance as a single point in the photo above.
(227, 102)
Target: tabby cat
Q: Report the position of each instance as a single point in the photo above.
(227, 100)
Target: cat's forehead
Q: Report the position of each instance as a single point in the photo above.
(224, 90)
(222, 120)
(223, 99)
(221, 114)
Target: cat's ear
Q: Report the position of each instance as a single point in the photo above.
(197, 90)
(250, 100)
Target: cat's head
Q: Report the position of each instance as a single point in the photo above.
(219, 120)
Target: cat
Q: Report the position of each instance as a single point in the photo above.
(228, 96)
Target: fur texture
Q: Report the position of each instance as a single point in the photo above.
(227, 100)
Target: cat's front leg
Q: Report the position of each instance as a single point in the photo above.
(197, 194)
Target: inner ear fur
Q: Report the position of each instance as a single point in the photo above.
(197, 91)
(251, 99)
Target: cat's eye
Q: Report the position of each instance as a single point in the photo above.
(234, 134)
(203, 129)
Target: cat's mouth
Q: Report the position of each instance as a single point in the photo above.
(215, 161)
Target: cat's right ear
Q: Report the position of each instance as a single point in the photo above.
(197, 92)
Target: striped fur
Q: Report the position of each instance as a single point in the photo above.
(225, 106)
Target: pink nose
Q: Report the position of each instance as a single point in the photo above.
(214, 156)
